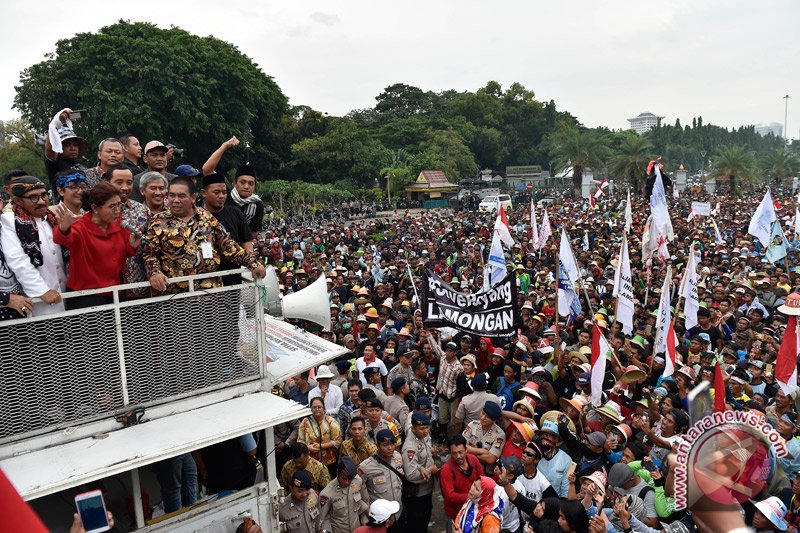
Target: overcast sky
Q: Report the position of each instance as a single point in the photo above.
(731, 61)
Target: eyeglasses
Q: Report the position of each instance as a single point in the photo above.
(528, 454)
(36, 197)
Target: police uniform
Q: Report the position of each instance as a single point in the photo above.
(300, 517)
(397, 409)
(343, 509)
(492, 439)
(471, 406)
(382, 482)
(387, 422)
(418, 453)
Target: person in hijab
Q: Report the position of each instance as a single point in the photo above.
(482, 511)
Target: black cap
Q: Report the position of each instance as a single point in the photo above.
(301, 479)
(373, 402)
(385, 435)
(348, 466)
(398, 382)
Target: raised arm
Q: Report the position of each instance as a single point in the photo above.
(213, 160)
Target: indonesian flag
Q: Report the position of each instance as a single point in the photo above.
(592, 201)
(786, 363)
(600, 348)
(600, 188)
(719, 389)
(715, 211)
(502, 228)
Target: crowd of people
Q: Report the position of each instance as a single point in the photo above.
(501, 429)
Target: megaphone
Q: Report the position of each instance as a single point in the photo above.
(310, 304)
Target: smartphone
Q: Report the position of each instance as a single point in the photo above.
(77, 113)
(572, 466)
(700, 402)
(92, 510)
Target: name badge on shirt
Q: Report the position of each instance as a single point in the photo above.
(206, 250)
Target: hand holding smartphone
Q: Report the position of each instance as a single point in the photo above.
(92, 511)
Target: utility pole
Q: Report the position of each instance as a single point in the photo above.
(785, 116)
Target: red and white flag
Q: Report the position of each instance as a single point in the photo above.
(600, 348)
(786, 363)
(502, 228)
(600, 191)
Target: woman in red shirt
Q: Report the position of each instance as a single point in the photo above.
(98, 245)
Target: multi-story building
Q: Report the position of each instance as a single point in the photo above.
(644, 122)
(775, 128)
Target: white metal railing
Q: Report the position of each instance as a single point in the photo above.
(71, 368)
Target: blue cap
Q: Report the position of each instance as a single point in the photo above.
(583, 379)
(479, 382)
(301, 479)
(512, 464)
(187, 171)
(420, 419)
(371, 370)
(492, 410)
(343, 366)
(385, 435)
(423, 402)
(346, 464)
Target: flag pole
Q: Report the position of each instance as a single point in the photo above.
(413, 285)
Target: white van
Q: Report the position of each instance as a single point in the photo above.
(489, 203)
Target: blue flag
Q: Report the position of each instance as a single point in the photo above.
(777, 244)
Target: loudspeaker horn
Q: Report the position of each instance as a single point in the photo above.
(310, 304)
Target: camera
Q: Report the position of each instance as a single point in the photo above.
(178, 152)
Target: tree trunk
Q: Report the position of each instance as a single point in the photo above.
(577, 180)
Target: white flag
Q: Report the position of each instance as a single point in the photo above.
(659, 209)
(623, 289)
(534, 226)
(585, 243)
(663, 320)
(797, 220)
(545, 231)
(761, 223)
(717, 234)
(628, 214)
(568, 258)
(497, 260)
(691, 300)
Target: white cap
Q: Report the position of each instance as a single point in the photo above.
(381, 510)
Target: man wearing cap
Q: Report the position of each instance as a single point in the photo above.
(396, 404)
(38, 263)
(419, 465)
(63, 149)
(470, 408)
(377, 419)
(373, 377)
(555, 462)
(485, 439)
(301, 510)
(622, 480)
(214, 193)
(383, 472)
(402, 369)
(156, 157)
(331, 395)
(344, 502)
(532, 483)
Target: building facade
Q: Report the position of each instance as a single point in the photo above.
(644, 122)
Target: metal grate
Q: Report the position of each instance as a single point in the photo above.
(65, 370)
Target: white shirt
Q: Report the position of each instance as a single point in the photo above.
(333, 399)
(361, 365)
(532, 488)
(52, 275)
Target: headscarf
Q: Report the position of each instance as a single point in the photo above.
(483, 359)
(76, 176)
(551, 508)
(492, 501)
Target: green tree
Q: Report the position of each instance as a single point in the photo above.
(345, 151)
(158, 83)
(735, 163)
(630, 163)
(18, 149)
(448, 150)
(780, 164)
(568, 146)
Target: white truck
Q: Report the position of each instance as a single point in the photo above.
(91, 397)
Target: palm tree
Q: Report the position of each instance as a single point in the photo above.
(780, 164)
(734, 163)
(568, 146)
(631, 161)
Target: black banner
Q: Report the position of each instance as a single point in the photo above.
(492, 313)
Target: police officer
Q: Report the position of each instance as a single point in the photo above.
(301, 510)
(472, 404)
(422, 405)
(344, 501)
(420, 469)
(383, 473)
(484, 437)
(395, 404)
(376, 421)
